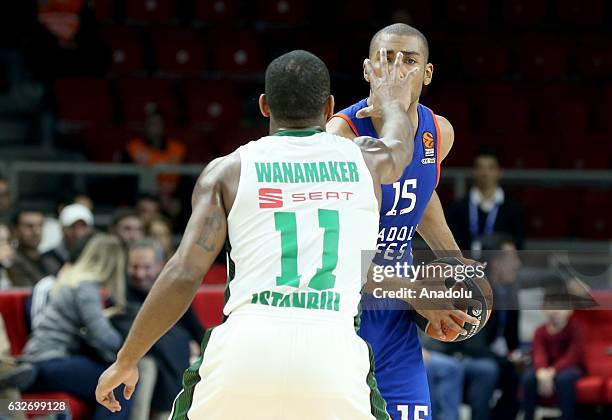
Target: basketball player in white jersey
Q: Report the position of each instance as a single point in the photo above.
(297, 208)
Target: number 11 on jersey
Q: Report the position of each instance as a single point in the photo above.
(285, 223)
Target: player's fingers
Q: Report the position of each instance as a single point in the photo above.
(453, 325)
(369, 68)
(108, 400)
(365, 112)
(437, 329)
(384, 63)
(397, 65)
(465, 317)
(410, 73)
(128, 391)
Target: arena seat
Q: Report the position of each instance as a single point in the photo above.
(216, 275)
(216, 11)
(515, 111)
(355, 11)
(238, 52)
(211, 102)
(468, 12)
(572, 112)
(595, 62)
(126, 49)
(106, 143)
(83, 100)
(104, 10)
(524, 12)
(197, 143)
(595, 386)
(138, 94)
(542, 59)
(208, 305)
(573, 12)
(281, 11)
(594, 221)
(180, 51)
(543, 215)
(149, 11)
(487, 61)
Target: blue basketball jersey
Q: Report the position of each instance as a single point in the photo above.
(387, 325)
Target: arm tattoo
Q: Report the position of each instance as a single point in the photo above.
(210, 231)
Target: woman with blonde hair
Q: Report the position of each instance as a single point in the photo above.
(74, 341)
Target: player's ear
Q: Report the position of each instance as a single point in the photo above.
(330, 103)
(264, 108)
(365, 73)
(429, 68)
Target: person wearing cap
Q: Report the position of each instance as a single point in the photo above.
(77, 221)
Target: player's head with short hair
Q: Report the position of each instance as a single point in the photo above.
(400, 37)
(399, 29)
(297, 91)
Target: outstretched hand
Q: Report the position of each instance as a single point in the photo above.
(388, 88)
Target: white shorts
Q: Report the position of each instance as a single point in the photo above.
(281, 363)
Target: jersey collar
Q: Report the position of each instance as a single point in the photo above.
(304, 132)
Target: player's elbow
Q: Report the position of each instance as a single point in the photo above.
(180, 273)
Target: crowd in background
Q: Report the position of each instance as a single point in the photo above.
(88, 285)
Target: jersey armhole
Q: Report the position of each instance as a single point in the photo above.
(438, 148)
(239, 194)
(348, 121)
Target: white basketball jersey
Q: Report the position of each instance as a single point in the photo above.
(304, 211)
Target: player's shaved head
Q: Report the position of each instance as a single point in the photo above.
(400, 29)
(297, 87)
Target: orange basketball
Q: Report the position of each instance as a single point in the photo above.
(479, 304)
(428, 140)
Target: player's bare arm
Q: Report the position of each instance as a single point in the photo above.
(178, 282)
(433, 227)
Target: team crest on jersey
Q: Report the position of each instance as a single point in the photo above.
(270, 198)
(428, 144)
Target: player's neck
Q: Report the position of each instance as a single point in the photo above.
(413, 114)
(279, 127)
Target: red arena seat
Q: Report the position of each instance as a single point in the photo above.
(208, 305)
(139, 94)
(238, 53)
(126, 50)
(580, 12)
(216, 11)
(281, 11)
(83, 100)
(150, 11)
(211, 102)
(468, 12)
(180, 51)
(524, 12)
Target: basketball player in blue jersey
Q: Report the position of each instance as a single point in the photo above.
(409, 205)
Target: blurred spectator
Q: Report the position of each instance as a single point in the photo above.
(172, 352)
(159, 229)
(503, 265)
(558, 348)
(445, 376)
(77, 222)
(155, 148)
(11, 374)
(7, 255)
(27, 268)
(127, 225)
(74, 341)
(486, 208)
(84, 200)
(66, 42)
(5, 201)
(148, 207)
(480, 371)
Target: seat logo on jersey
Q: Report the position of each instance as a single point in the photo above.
(270, 198)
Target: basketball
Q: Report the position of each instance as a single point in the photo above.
(475, 298)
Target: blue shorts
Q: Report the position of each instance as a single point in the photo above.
(399, 369)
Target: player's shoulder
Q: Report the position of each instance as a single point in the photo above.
(339, 125)
(220, 168)
(446, 128)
